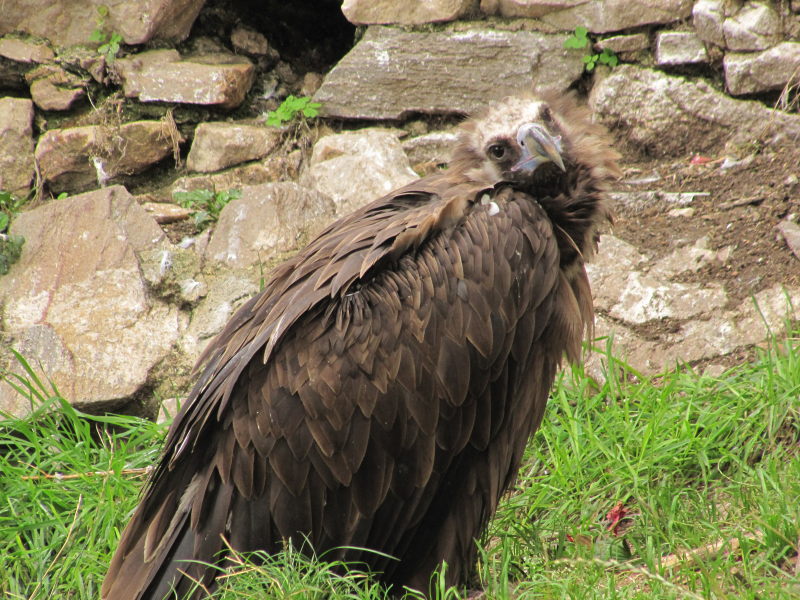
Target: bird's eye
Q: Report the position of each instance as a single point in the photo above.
(497, 151)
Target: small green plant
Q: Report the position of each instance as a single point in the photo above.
(205, 204)
(109, 42)
(580, 39)
(10, 245)
(9, 207)
(291, 108)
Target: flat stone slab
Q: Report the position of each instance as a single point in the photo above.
(629, 43)
(662, 112)
(392, 73)
(679, 48)
(598, 16)
(164, 76)
(25, 51)
(384, 12)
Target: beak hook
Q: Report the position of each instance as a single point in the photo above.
(538, 147)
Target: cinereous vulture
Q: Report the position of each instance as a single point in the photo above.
(379, 392)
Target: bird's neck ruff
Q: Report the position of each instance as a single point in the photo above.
(575, 197)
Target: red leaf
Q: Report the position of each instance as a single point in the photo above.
(615, 517)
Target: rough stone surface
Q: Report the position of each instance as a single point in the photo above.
(54, 88)
(757, 26)
(679, 48)
(621, 44)
(12, 74)
(749, 73)
(357, 167)
(218, 145)
(391, 73)
(689, 258)
(384, 12)
(226, 292)
(266, 222)
(632, 289)
(598, 16)
(70, 23)
(250, 41)
(715, 334)
(16, 145)
(85, 314)
(82, 157)
(271, 169)
(25, 51)
(163, 76)
(671, 111)
(172, 273)
(431, 149)
(707, 18)
(791, 234)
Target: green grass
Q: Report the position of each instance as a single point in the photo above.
(704, 471)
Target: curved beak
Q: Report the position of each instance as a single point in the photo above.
(538, 147)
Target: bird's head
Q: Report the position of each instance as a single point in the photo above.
(513, 141)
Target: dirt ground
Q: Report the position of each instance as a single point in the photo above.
(743, 206)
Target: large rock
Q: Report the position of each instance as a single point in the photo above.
(69, 23)
(163, 76)
(84, 313)
(265, 223)
(599, 16)
(757, 26)
(79, 158)
(357, 167)
(750, 73)
(218, 145)
(391, 73)
(384, 12)
(16, 145)
(675, 116)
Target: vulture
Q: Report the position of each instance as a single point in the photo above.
(373, 402)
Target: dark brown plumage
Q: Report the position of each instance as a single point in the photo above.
(380, 391)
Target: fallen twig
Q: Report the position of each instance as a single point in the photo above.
(62, 477)
(681, 558)
(742, 202)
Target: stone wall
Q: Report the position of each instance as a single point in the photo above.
(115, 295)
